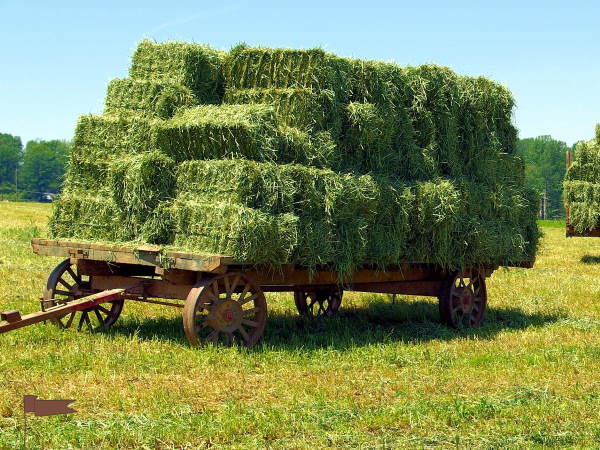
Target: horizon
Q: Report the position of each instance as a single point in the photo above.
(68, 53)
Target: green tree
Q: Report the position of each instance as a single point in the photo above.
(11, 153)
(544, 159)
(43, 167)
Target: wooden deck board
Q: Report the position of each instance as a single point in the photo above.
(143, 255)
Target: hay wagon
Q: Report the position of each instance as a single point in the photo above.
(223, 300)
(570, 230)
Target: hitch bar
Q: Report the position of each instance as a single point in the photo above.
(12, 320)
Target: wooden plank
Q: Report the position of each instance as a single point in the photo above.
(76, 305)
(151, 288)
(10, 316)
(144, 255)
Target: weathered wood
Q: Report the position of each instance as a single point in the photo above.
(10, 316)
(151, 288)
(59, 311)
(427, 288)
(292, 275)
(144, 255)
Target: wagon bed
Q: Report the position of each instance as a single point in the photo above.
(223, 299)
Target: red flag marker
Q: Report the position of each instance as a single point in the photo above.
(46, 407)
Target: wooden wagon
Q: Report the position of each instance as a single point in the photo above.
(223, 300)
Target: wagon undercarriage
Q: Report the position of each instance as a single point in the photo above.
(223, 301)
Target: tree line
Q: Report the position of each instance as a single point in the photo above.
(36, 170)
(32, 172)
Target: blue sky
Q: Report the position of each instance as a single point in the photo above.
(57, 57)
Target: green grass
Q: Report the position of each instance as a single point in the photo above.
(378, 375)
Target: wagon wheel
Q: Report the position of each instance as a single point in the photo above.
(463, 300)
(229, 309)
(318, 303)
(66, 284)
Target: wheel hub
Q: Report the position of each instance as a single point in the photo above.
(466, 300)
(226, 316)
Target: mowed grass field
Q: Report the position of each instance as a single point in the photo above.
(378, 375)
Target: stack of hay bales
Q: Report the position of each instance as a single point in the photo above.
(278, 156)
(582, 186)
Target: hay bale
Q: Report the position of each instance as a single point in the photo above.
(88, 215)
(302, 108)
(114, 133)
(312, 159)
(139, 183)
(582, 187)
(226, 228)
(371, 139)
(313, 149)
(485, 118)
(197, 67)
(226, 131)
(379, 83)
(282, 68)
(147, 98)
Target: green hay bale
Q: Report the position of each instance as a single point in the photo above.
(584, 216)
(159, 227)
(87, 215)
(226, 131)
(114, 133)
(499, 168)
(396, 205)
(147, 98)
(197, 67)
(582, 187)
(371, 138)
(316, 149)
(87, 169)
(379, 83)
(433, 93)
(485, 118)
(302, 108)
(139, 183)
(224, 228)
(278, 68)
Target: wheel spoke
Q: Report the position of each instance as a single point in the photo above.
(213, 336)
(98, 316)
(251, 323)
(65, 284)
(215, 289)
(243, 294)
(81, 320)
(70, 321)
(246, 300)
(236, 280)
(88, 321)
(227, 287)
(229, 339)
(104, 310)
(75, 277)
(244, 333)
(251, 310)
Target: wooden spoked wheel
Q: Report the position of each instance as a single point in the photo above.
(229, 310)
(319, 302)
(66, 284)
(463, 300)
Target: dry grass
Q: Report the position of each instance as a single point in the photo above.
(378, 375)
